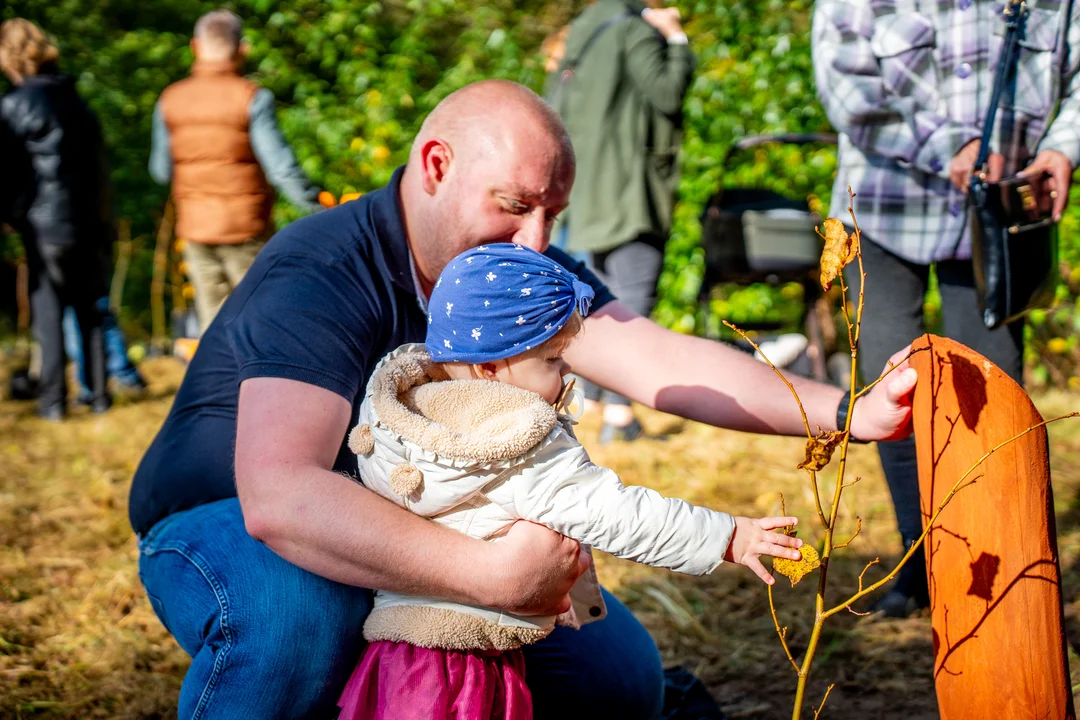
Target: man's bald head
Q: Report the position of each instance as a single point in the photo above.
(495, 115)
(492, 163)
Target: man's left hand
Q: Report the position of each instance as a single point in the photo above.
(1060, 170)
(885, 412)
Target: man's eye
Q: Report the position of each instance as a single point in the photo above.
(517, 208)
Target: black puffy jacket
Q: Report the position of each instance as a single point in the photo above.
(63, 196)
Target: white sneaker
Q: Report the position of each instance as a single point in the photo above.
(783, 349)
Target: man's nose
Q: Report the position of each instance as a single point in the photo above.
(534, 233)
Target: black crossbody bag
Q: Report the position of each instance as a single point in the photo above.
(1013, 236)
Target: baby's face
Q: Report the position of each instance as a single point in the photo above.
(542, 374)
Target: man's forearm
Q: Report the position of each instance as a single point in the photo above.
(332, 526)
(276, 157)
(160, 149)
(726, 387)
(696, 378)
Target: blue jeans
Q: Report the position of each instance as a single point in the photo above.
(270, 640)
(117, 364)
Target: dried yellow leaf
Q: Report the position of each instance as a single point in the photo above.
(796, 570)
(819, 450)
(840, 249)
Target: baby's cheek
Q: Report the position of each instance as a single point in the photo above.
(554, 388)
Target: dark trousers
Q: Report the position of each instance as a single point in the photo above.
(66, 276)
(892, 318)
(630, 271)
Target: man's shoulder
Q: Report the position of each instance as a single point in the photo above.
(345, 235)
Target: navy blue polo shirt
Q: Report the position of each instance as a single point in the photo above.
(323, 302)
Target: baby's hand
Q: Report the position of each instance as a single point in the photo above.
(752, 538)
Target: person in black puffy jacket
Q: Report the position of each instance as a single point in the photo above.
(62, 209)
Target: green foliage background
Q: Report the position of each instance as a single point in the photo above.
(354, 78)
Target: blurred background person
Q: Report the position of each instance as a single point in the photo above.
(619, 88)
(62, 211)
(216, 139)
(118, 366)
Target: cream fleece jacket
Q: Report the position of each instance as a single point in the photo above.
(476, 456)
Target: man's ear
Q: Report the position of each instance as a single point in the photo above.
(242, 51)
(194, 47)
(435, 157)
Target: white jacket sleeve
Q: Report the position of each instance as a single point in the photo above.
(562, 489)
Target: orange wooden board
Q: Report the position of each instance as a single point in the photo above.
(995, 583)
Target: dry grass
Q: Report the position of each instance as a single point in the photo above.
(78, 638)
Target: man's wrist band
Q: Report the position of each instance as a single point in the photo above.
(843, 409)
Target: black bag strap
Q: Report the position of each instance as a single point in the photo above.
(1015, 19)
(569, 65)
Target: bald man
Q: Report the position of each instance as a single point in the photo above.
(256, 544)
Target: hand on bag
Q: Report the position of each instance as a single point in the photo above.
(666, 20)
(963, 166)
(752, 538)
(1060, 170)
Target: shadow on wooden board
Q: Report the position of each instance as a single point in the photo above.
(995, 583)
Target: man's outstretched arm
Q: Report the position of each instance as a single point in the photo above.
(714, 383)
(288, 434)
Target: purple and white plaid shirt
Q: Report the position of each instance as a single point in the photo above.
(907, 83)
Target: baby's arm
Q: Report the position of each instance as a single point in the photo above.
(562, 489)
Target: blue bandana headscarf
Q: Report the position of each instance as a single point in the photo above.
(497, 301)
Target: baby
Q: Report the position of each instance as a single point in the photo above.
(470, 431)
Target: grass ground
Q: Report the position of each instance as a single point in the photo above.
(78, 638)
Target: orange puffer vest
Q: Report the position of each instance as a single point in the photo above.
(222, 196)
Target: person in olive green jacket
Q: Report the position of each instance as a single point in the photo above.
(619, 88)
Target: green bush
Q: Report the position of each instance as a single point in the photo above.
(354, 78)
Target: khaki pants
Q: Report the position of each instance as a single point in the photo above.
(215, 271)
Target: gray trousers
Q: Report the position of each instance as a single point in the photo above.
(630, 271)
(892, 318)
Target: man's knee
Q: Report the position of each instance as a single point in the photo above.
(257, 626)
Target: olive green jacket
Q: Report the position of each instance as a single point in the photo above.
(623, 108)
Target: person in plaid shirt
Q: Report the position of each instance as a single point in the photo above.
(907, 84)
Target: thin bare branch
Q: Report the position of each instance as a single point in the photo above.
(873, 562)
(817, 497)
(782, 634)
(858, 529)
(862, 276)
(852, 483)
(802, 411)
(847, 313)
(819, 707)
(856, 612)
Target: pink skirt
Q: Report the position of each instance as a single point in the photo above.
(398, 681)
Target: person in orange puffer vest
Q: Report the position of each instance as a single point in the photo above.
(216, 139)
